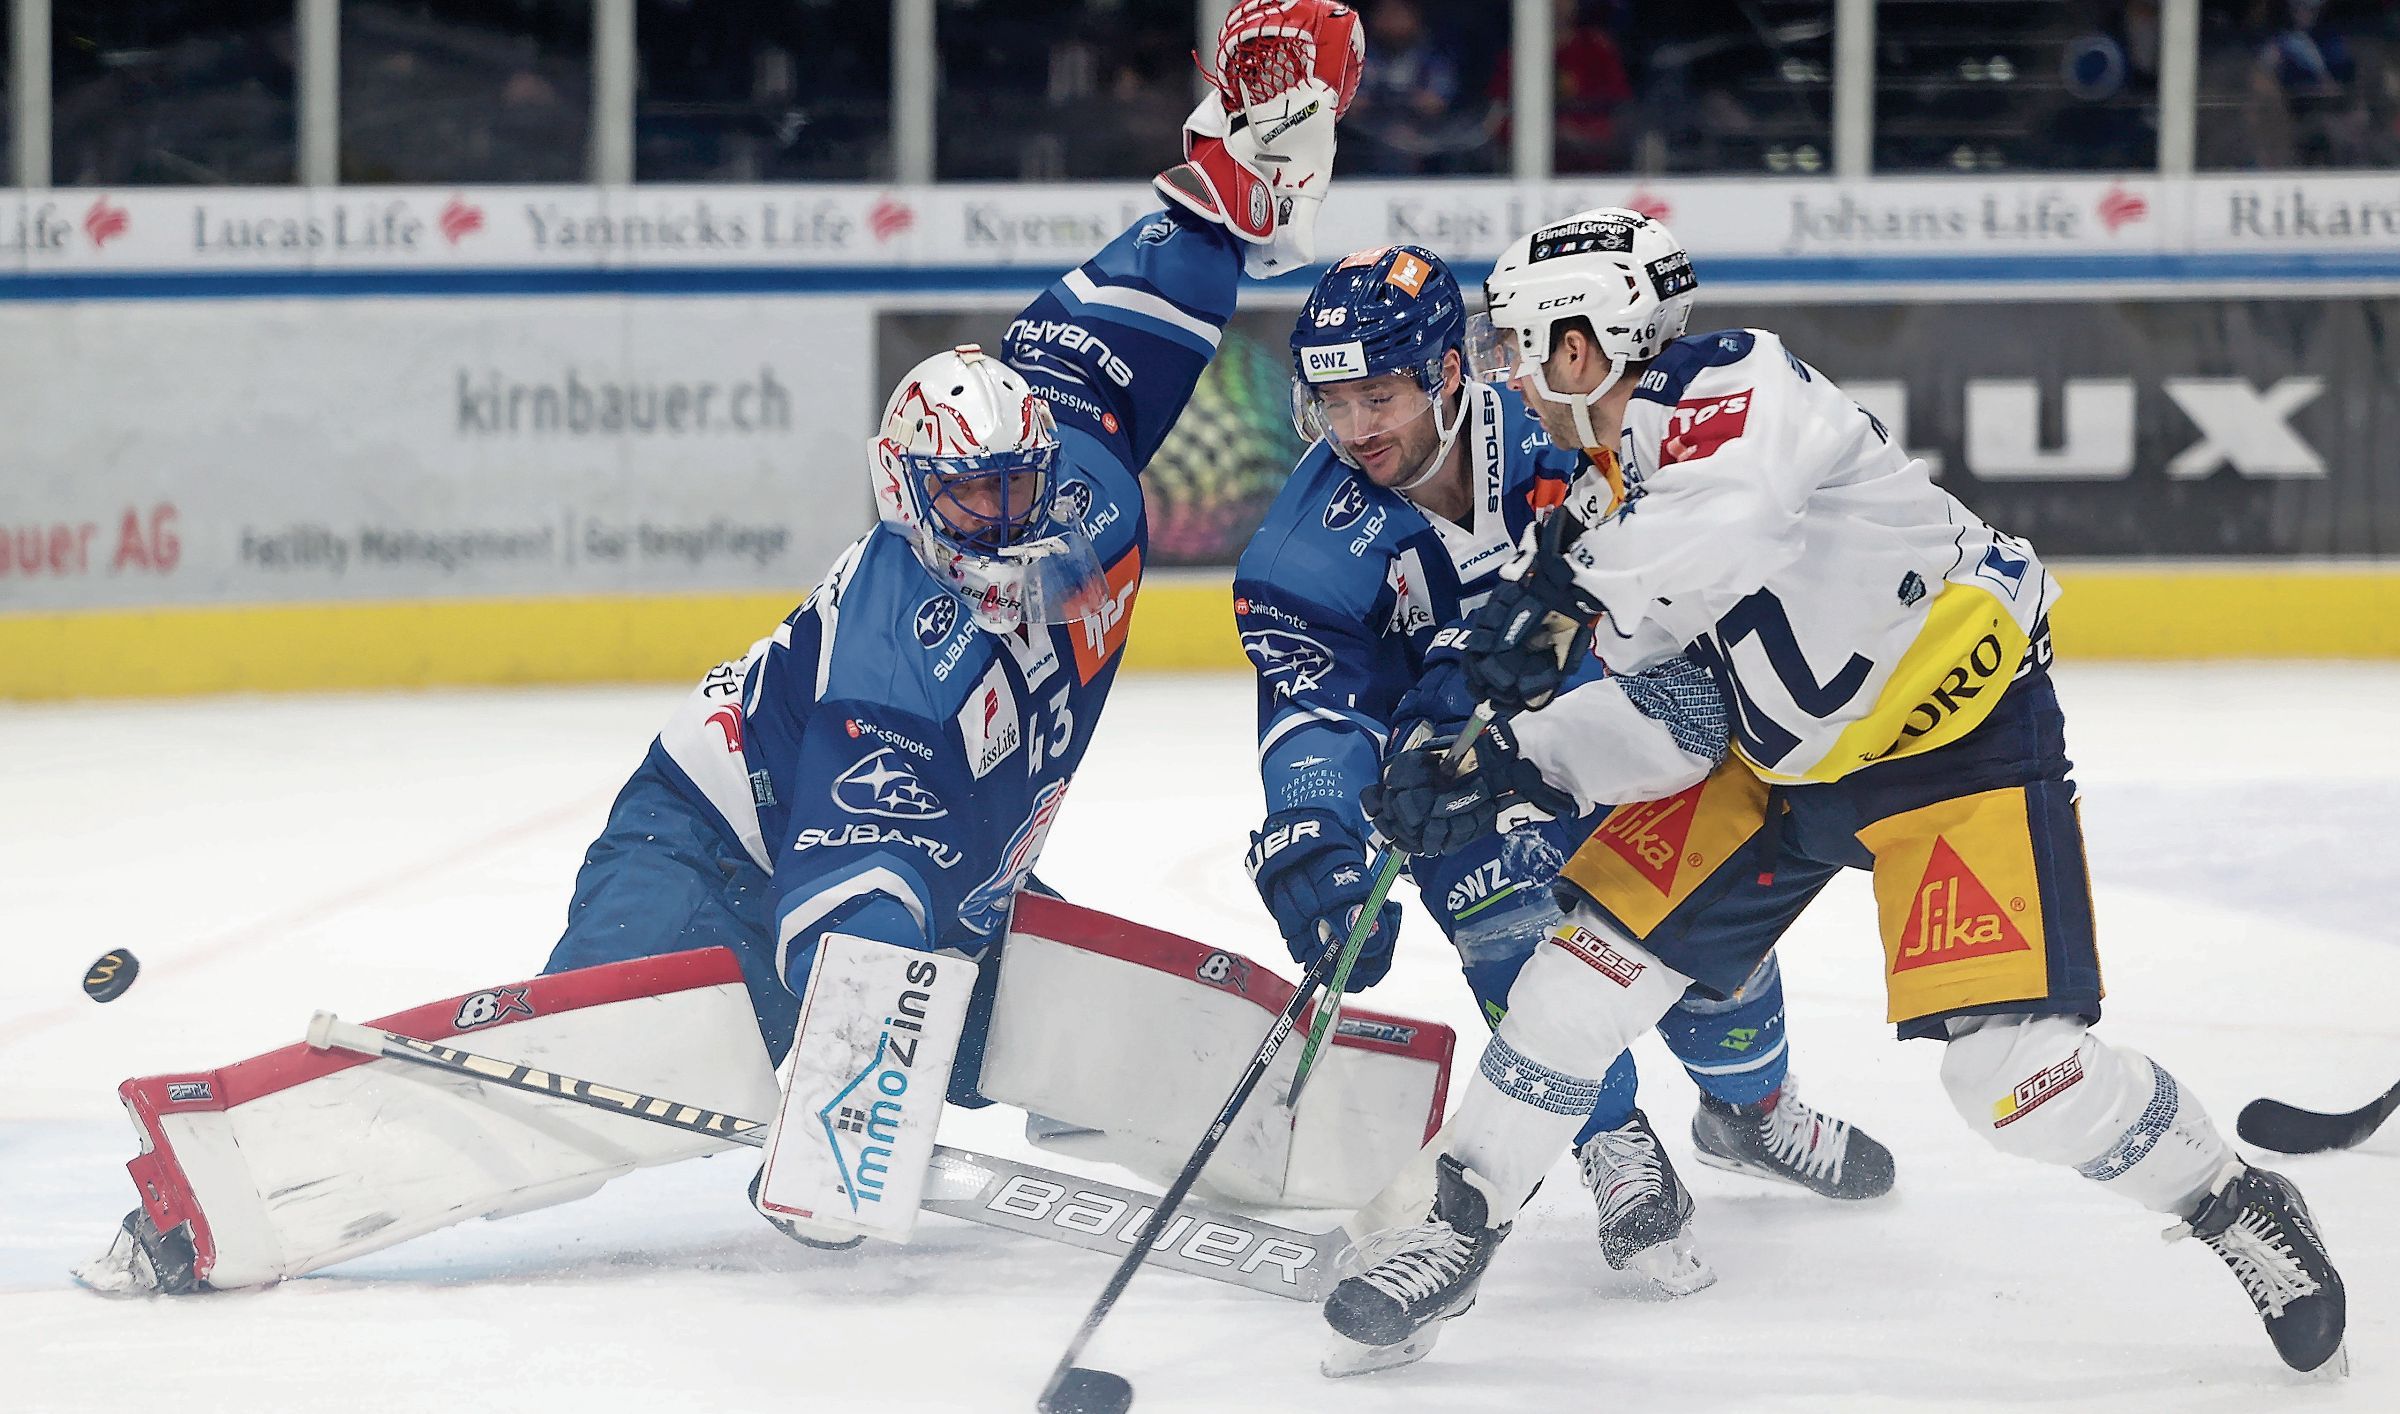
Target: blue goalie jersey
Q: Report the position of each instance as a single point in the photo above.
(892, 768)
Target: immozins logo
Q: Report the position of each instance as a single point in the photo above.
(862, 1121)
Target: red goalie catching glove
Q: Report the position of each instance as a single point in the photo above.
(1259, 153)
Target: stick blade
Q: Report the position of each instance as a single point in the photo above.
(1079, 1390)
(2288, 1129)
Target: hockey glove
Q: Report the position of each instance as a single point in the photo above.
(1425, 806)
(1520, 644)
(1311, 868)
(1258, 153)
(1440, 699)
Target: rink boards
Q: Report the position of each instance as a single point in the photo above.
(281, 440)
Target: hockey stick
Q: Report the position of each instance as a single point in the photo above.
(980, 1188)
(2289, 1129)
(1075, 1389)
(1387, 873)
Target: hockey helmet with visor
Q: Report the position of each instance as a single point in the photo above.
(1370, 362)
(1621, 272)
(966, 465)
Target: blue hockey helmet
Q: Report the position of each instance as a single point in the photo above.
(1394, 310)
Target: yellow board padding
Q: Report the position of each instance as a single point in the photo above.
(353, 646)
(1183, 621)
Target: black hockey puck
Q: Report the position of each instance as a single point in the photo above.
(111, 974)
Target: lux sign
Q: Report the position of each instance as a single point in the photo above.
(2239, 427)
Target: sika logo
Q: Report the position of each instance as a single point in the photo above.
(888, 218)
(2119, 208)
(459, 220)
(105, 221)
(1651, 835)
(1955, 916)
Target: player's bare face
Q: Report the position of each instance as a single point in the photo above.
(1385, 422)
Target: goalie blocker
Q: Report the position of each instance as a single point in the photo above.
(297, 1159)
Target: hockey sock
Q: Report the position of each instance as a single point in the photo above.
(1491, 979)
(1579, 1003)
(1734, 1049)
(2047, 1089)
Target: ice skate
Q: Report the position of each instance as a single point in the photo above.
(2258, 1223)
(142, 1261)
(1386, 1315)
(1645, 1211)
(1780, 1137)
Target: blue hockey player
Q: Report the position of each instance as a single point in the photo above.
(1395, 523)
(887, 763)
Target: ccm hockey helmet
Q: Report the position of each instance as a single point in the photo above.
(1621, 271)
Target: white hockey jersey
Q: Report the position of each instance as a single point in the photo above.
(1758, 520)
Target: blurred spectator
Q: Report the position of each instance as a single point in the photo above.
(1590, 86)
(2307, 108)
(1045, 90)
(2108, 117)
(1409, 116)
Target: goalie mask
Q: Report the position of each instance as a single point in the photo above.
(966, 465)
(1617, 269)
(1370, 364)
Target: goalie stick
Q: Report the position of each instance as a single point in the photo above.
(2289, 1129)
(979, 1188)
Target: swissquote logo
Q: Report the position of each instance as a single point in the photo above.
(1651, 835)
(1955, 917)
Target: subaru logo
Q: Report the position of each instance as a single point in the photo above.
(1348, 504)
(1073, 503)
(882, 784)
(935, 618)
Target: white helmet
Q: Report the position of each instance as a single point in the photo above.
(1619, 269)
(966, 464)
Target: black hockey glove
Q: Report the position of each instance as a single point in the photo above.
(1424, 806)
(1311, 868)
(1520, 644)
(1440, 698)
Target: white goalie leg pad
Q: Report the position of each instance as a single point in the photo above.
(1127, 1039)
(1583, 997)
(300, 1158)
(2044, 1087)
(864, 1088)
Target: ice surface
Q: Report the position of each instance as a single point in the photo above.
(269, 857)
